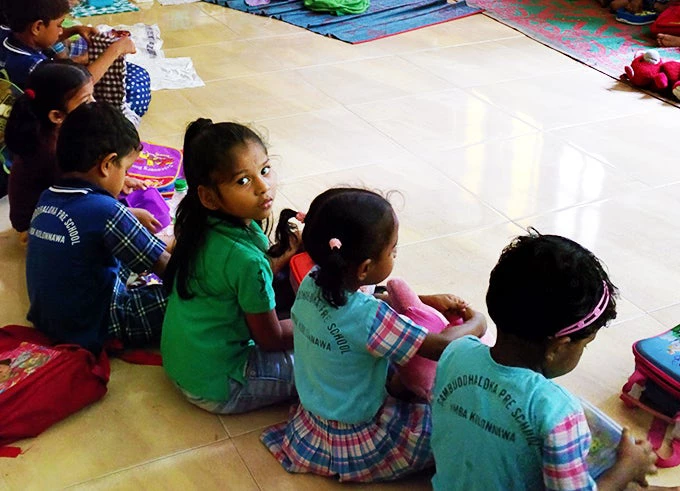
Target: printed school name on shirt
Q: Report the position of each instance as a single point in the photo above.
(71, 228)
(332, 329)
(508, 401)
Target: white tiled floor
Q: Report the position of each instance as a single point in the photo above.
(481, 130)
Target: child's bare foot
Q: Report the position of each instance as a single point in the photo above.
(668, 41)
(660, 6)
(615, 5)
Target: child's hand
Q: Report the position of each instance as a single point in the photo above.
(637, 456)
(124, 46)
(85, 32)
(146, 219)
(449, 305)
(634, 460)
(132, 183)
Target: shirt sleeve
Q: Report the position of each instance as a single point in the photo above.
(21, 67)
(131, 243)
(565, 450)
(394, 337)
(254, 284)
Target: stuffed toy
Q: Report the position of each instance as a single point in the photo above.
(648, 71)
(418, 374)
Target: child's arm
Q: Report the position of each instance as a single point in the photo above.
(117, 49)
(160, 265)
(634, 461)
(270, 333)
(474, 323)
(145, 217)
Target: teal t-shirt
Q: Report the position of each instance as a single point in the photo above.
(489, 421)
(205, 340)
(336, 375)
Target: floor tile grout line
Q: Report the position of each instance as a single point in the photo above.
(151, 461)
(250, 472)
(459, 233)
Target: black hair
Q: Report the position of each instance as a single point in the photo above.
(90, 133)
(208, 159)
(544, 283)
(364, 223)
(52, 84)
(20, 14)
(6, 361)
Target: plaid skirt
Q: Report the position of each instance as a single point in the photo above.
(395, 443)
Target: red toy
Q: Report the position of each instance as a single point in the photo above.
(648, 71)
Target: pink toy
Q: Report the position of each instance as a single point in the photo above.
(418, 374)
(648, 71)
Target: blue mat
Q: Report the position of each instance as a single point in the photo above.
(86, 10)
(383, 18)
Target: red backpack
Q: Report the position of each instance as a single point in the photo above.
(42, 383)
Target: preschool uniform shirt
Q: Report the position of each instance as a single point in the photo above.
(206, 340)
(79, 238)
(499, 427)
(346, 426)
(336, 375)
(19, 60)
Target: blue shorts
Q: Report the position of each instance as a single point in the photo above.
(269, 380)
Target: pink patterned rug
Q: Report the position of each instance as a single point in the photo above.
(578, 28)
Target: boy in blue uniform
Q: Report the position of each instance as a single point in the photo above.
(36, 27)
(83, 243)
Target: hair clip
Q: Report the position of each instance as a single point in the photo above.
(335, 244)
(300, 216)
(30, 93)
(591, 317)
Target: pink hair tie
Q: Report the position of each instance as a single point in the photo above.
(300, 216)
(591, 317)
(335, 244)
(30, 93)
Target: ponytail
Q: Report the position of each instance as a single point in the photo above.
(329, 278)
(23, 130)
(191, 229)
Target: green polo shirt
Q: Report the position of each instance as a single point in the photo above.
(206, 340)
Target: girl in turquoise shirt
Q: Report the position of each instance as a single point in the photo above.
(347, 425)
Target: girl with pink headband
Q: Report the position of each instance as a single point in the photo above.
(499, 422)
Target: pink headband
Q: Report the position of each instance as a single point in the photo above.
(590, 318)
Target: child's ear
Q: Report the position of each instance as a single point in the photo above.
(364, 269)
(106, 164)
(555, 347)
(208, 197)
(56, 116)
(36, 27)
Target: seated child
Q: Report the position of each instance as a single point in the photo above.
(83, 242)
(223, 344)
(499, 422)
(54, 89)
(346, 424)
(36, 27)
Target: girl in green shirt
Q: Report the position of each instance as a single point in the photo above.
(222, 343)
